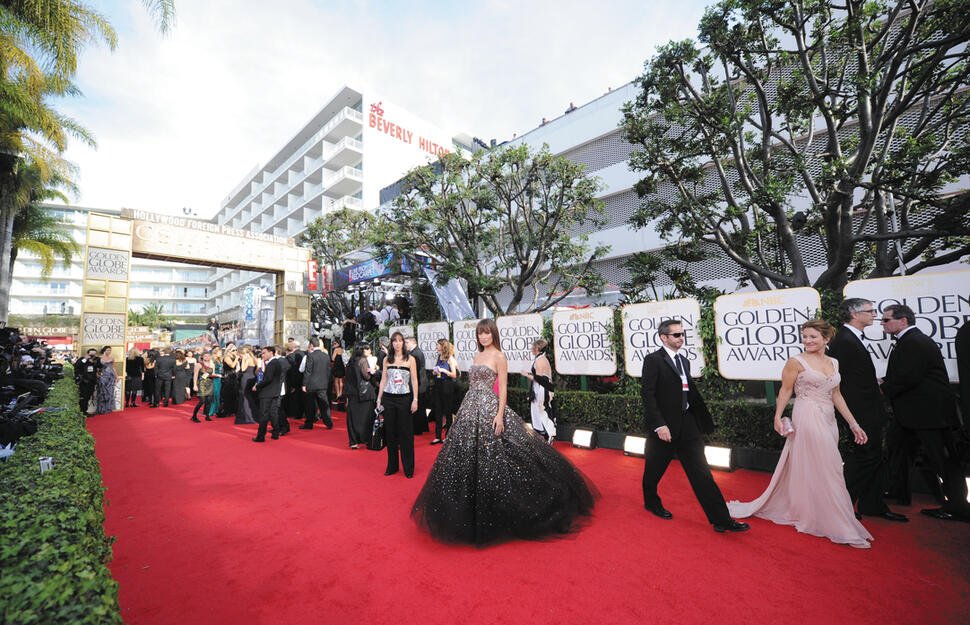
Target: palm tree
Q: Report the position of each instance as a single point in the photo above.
(40, 41)
(38, 232)
(151, 315)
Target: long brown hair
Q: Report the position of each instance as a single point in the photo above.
(489, 326)
(391, 350)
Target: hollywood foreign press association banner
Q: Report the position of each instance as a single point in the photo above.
(428, 335)
(466, 345)
(757, 332)
(941, 302)
(640, 336)
(518, 333)
(583, 341)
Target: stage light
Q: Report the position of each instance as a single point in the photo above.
(634, 446)
(719, 457)
(968, 490)
(584, 438)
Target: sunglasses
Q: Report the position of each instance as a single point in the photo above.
(676, 335)
(886, 319)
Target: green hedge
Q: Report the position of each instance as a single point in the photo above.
(54, 551)
(738, 423)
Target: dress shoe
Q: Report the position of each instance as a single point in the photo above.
(208, 418)
(165, 405)
(330, 426)
(733, 526)
(195, 420)
(275, 437)
(353, 446)
(390, 472)
(891, 516)
(259, 439)
(408, 475)
(660, 511)
(944, 515)
(306, 427)
(436, 441)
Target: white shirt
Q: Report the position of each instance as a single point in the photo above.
(673, 356)
(855, 330)
(902, 332)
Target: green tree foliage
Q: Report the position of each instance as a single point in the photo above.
(331, 238)
(504, 219)
(841, 121)
(151, 315)
(37, 231)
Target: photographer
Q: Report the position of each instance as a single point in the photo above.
(86, 371)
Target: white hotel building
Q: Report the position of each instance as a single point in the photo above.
(356, 144)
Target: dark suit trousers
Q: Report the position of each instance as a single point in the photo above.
(942, 462)
(85, 391)
(163, 390)
(689, 448)
(269, 411)
(314, 401)
(865, 472)
(399, 432)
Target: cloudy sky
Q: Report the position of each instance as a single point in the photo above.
(180, 119)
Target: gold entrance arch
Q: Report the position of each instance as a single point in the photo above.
(113, 240)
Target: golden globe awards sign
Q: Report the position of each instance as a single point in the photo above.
(518, 333)
(640, 337)
(428, 335)
(757, 332)
(466, 345)
(583, 341)
(103, 329)
(941, 302)
(105, 264)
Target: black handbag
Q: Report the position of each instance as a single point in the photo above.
(376, 441)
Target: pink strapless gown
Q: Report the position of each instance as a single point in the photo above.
(807, 489)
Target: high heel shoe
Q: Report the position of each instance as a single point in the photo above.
(195, 419)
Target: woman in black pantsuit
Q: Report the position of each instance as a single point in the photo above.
(398, 398)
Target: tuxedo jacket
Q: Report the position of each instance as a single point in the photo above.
(316, 374)
(662, 393)
(962, 345)
(859, 385)
(294, 379)
(917, 384)
(419, 362)
(272, 383)
(165, 367)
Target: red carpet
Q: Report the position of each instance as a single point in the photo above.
(214, 529)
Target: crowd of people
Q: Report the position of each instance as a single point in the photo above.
(495, 477)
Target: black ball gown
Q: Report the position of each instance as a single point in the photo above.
(483, 488)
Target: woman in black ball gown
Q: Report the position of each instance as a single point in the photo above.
(493, 479)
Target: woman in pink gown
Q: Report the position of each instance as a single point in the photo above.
(808, 489)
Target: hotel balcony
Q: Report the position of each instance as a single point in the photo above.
(345, 181)
(347, 151)
(346, 123)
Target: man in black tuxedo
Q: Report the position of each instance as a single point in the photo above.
(164, 377)
(962, 346)
(924, 410)
(676, 418)
(268, 390)
(293, 402)
(864, 468)
(316, 381)
(421, 416)
(86, 370)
